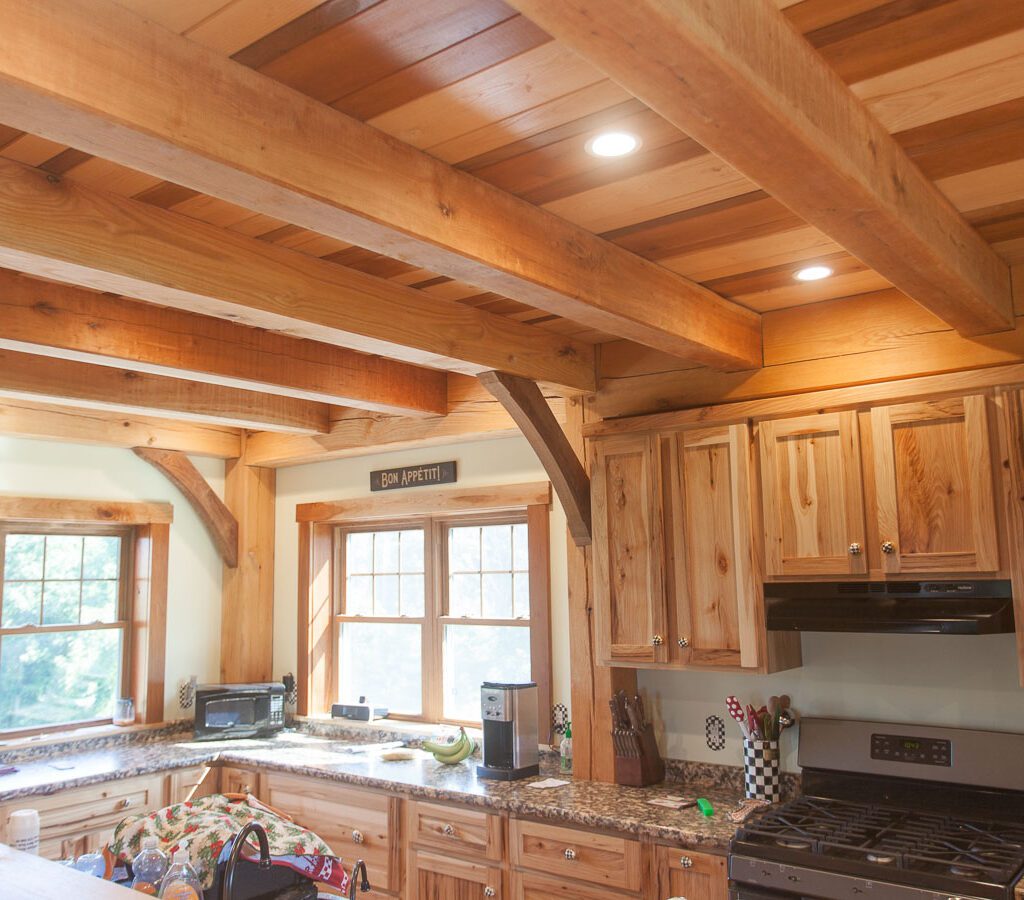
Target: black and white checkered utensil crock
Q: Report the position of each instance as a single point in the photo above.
(762, 777)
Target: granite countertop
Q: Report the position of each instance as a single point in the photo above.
(586, 803)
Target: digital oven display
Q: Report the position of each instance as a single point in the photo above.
(923, 751)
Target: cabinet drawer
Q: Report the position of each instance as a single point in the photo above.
(455, 829)
(567, 853)
(529, 886)
(433, 876)
(356, 824)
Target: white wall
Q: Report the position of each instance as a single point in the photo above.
(75, 471)
(954, 680)
(507, 461)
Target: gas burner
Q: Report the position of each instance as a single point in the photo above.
(793, 843)
(882, 859)
(964, 871)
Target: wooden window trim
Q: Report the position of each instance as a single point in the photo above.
(145, 528)
(321, 565)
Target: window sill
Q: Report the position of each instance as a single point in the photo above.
(72, 733)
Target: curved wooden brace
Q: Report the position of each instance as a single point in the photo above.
(220, 523)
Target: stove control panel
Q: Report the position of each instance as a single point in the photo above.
(921, 750)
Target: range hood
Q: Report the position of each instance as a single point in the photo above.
(897, 607)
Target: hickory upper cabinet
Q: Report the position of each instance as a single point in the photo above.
(934, 486)
(628, 551)
(812, 496)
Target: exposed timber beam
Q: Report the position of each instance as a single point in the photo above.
(525, 403)
(56, 229)
(94, 75)
(220, 524)
(24, 376)
(71, 323)
(738, 78)
(50, 422)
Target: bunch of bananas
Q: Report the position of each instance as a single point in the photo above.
(452, 752)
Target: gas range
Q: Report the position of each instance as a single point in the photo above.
(900, 813)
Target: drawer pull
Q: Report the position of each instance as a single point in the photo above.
(357, 836)
(570, 854)
(124, 804)
(448, 830)
(489, 891)
(686, 862)
(246, 789)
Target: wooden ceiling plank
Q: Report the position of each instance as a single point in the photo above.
(736, 77)
(94, 75)
(53, 229)
(52, 422)
(25, 376)
(71, 323)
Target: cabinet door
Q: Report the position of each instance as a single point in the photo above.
(934, 486)
(813, 496)
(239, 781)
(436, 877)
(716, 582)
(629, 597)
(693, 876)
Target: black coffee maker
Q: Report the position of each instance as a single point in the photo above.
(510, 724)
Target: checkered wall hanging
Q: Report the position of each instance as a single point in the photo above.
(762, 779)
(714, 732)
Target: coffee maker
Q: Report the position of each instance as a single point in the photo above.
(509, 714)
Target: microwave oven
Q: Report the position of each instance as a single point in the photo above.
(238, 710)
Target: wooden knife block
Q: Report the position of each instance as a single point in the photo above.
(647, 768)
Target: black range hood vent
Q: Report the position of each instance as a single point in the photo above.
(896, 607)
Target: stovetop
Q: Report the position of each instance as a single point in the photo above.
(890, 844)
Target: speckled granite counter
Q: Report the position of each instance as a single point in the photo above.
(585, 803)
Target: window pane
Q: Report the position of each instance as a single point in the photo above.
(359, 595)
(52, 679)
(520, 548)
(99, 602)
(464, 549)
(359, 553)
(411, 551)
(23, 557)
(60, 602)
(521, 595)
(102, 557)
(385, 551)
(21, 603)
(63, 556)
(497, 596)
(382, 663)
(412, 595)
(497, 548)
(464, 595)
(385, 595)
(477, 653)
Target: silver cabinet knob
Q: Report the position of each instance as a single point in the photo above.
(657, 640)
(570, 854)
(683, 643)
(686, 862)
(855, 549)
(888, 547)
(357, 836)
(489, 891)
(448, 830)
(124, 804)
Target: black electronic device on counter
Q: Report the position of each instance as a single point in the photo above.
(225, 711)
(361, 711)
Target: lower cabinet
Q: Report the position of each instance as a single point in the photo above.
(191, 784)
(239, 781)
(437, 876)
(686, 875)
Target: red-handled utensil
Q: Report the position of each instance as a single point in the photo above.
(736, 711)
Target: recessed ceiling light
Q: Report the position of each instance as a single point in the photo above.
(812, 273)
(613, 143)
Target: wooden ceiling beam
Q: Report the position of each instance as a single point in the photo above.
(94, 75)
(525, 403)
(68, 322)
(737, 77)
(54, 228)
(24, 376)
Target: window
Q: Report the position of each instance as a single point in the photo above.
(428, 608)
(63, 623)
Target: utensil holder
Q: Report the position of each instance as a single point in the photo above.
(645, 768)
(762, 771)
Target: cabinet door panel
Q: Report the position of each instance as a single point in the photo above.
(933, 475)
(716, 582)
(812, 495)
(695, 876)
(436, 877)
(629, 596)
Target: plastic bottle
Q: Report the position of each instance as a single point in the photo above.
(181, 881)
(149, 866)
(23, 830)
(565, 749)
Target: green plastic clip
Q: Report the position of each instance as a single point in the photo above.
(705, 807)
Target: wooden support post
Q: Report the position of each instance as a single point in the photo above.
(525, 403)
(592, 686)
(247, 610)
(212, 511)
(147, 653)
